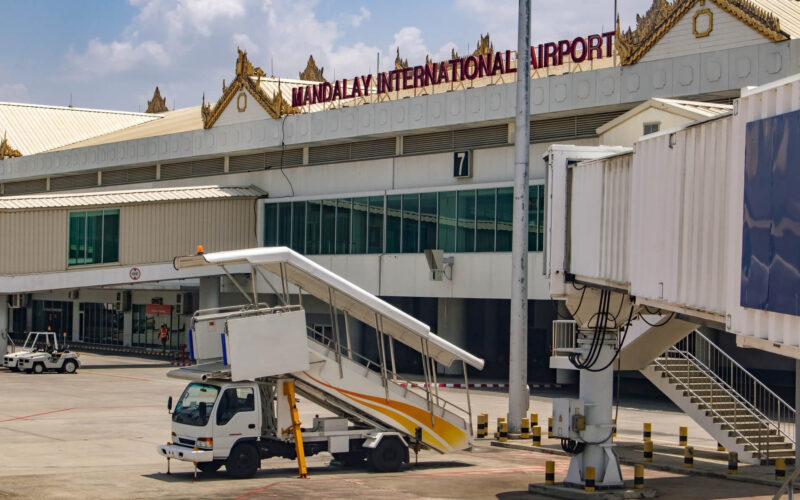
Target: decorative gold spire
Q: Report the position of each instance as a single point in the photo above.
(6, 151)
(398, 62)
(157, 104)
(485, 46)
(244, 68)
(312, 73)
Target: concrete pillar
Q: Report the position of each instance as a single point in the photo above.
(451, 318)
(3, 323)
(76, 320)
(29, 316)
(127, 328)
(209, 293)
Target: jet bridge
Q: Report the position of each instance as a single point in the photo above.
(334, 375)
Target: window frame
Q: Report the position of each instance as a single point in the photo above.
(85, 212)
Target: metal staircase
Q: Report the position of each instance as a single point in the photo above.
(725, 399)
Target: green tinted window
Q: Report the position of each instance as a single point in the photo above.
(343, 226)
(484, 211)
(375, 225)
(285, 224)
(110, 236)
(533, 216)
(77, 238)
(270, 224)
(447, 221)
(505, 215)
(93, 237)
(358, 228)
(410, 223)
(465, 231)
(313, 213)
(427, 220)
(328, 226)
(393, 217)
(299, 226)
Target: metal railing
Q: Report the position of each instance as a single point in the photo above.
(730, 382)
(565, 337)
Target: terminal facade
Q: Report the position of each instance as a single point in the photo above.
(92, 216)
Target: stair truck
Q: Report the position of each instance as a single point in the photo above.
(239, 405)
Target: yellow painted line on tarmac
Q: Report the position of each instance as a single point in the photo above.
(116, 376)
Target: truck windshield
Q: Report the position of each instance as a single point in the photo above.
(195, 405)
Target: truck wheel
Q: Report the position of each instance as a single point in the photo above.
(38, 368)
(350, 459)
(387, 456)
(243, 461)
(71, 366)
(209, 467)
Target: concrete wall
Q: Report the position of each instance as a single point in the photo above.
(629, 131)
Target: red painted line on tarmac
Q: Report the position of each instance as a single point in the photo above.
(36, 415)
(253, 492)
(118, 376)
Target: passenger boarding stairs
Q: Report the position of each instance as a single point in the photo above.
(726, 400)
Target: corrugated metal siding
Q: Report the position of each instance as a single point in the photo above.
(25, 250)
(194, 168)
(600, 216)
(775, 327)
(159, 232)
(678, 216)
(67, 182)
(570, 127)
(25, 187)
(287, 158)
(351, 151)
(129, 176)
(247, 163)
(495, 135)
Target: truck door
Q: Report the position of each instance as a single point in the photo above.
(236, 418)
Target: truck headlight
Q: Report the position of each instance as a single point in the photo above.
(206, 443)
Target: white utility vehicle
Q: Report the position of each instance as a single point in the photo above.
(239, 407)
(64, 361)
(35, 341)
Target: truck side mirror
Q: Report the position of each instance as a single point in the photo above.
(169, 404)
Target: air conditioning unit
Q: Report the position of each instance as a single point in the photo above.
(183, 303)
(18, 300)
(122, 302)
(72, 294)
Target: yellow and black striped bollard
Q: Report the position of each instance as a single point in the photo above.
(683, 438)
(733, 463)
(780, 469)
(534, 420)
(503, 431)
(648, 451)
(549, 472)
(720, 447)
(638, 477)
(537, 436)
(483, 425)
(688, 457)
(500, 421)
(647, 431)
(550, 427)
(613, 428)
(588, 481)
(525, 429)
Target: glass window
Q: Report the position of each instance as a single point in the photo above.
(540, 218)
(410, 223)
(328, 226)
(427, 220)
(285, 224)
(394, 211)
(534, 215)
(447, 221)
(299, 226)
(270, 224)
(484, 241)
(358, 231)
(375, 225)
(313, 213)
(195, 404)
(465, 231)
(233, 401)
(93, 237)
(343, 226)
(505, 215)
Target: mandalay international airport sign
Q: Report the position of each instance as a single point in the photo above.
(469, 68)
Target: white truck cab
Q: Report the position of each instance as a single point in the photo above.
(34, 342)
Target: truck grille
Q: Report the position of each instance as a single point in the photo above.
(186, 442)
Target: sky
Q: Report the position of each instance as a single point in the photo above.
(110, 54)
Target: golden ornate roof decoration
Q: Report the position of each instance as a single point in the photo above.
(276, 106)
(400, 63)
(6, 151)
(312, 73)
(157, 104)
(485, 46)
(632, 45)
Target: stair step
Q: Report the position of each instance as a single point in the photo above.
(763, 440)
(777, 447)
(728, 405)
(751, 433)
(717, 399)
(780, 453)
(740, 423)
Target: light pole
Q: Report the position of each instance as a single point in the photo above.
(518, 394)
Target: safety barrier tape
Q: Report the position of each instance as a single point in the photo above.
(479, 386)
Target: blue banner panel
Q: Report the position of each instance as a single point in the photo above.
(771, 229)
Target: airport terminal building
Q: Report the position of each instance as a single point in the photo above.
(361, 175)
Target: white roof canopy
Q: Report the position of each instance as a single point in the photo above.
(329, 287)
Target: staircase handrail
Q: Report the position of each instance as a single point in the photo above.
(406, 384)
(676, 376)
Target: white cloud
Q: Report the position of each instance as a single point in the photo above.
(117, 57)
(198, 15)
(14, 92)
(411, 44)
(357, 19)
(244, 42)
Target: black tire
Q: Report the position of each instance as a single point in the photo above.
(38, 368)
(210, 467)
(350, 459)
(388, 456)
(243, 461)
(71, 366)
(14, 368)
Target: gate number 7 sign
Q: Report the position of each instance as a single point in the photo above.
(461, 164)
